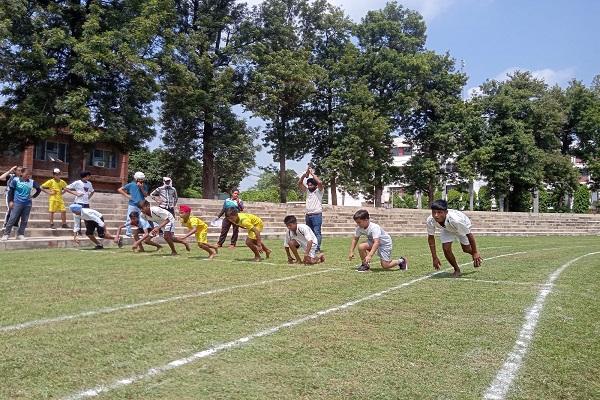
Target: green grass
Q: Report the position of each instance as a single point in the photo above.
(440, 338)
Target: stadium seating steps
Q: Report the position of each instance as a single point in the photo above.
(337, 221)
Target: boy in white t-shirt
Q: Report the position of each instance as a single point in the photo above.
(454, 225)
(377, 241)
(300, 236)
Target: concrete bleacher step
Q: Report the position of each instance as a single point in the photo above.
(337, 221)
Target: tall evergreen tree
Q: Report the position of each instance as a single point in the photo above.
(201, 82)
(84, 67)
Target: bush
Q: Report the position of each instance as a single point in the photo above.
(191, 193)
(581, 201)
(457, 200)
(406, 201)
(484, 199)
(270, 195)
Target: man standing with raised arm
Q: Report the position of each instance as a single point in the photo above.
(314, 202)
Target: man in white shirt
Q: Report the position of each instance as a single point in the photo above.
(314, 202)
(300, 236)
(82, 189)
(166, 223)
(94, 221)
(454, 225)
(377, 241)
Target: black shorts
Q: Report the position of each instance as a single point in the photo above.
(91, 226)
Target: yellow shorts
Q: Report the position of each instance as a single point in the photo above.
(202, 236)
(252, 235)
(56, 205)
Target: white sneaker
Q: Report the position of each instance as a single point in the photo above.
(4, 238)
(21, 237)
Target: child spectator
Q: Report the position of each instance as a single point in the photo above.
(56, 203)
(136, 191)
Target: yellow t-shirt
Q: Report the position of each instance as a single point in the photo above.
(202, 228)
(249, 221)
(57, 186)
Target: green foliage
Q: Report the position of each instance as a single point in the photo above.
(544, 200)
(87, 69)
(519, 148)
(484, 199)
(405, 201)
(457, 200)
(581, 200)
(158, 163)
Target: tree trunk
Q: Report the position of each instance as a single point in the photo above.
(471, 195)
(377, 195)
(536, 201)
(208, 159)
(76, 156)
(333, 187)
(501, 199)
(282, 186)
(430, 194)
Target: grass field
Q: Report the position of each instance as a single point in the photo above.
(145, 326)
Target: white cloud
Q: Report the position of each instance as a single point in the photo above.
(551, 76)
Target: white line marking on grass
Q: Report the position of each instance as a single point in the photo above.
(504, 378)
(107, 310)
(247, 339)
(500, 282)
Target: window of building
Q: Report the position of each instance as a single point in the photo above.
(51, 151)
(103, 158)
(407, 151)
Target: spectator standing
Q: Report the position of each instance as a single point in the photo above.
(21, 196)
(56, 203)
(231, 202)
(82, 189)
(166, 195)
(136, 192)
(14, 172)
(314, 202)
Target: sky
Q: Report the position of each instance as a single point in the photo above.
(556, 40)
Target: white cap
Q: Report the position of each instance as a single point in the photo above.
(139, 175)
(166, 178)
(56, 171)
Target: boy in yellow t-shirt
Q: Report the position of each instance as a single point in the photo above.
(55, 200)
(199, 228)
(254, 225)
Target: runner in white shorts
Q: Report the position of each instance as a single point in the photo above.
(300, 236)
(377, 241)
(165, 221)
(453, 225)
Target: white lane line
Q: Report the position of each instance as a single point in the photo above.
(86, 393)
(107, 310)
(498, 282)
(505, 376)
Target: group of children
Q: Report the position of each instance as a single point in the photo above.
(454, 226)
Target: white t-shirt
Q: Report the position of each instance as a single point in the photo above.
(83, 189)
(374, 231)
(158, 214)
(302, 235)
(314, 201)
(87, 214)
(456, 223)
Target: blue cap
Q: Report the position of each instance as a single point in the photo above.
(75, 207)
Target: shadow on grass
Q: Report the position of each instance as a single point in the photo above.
(448, 275)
